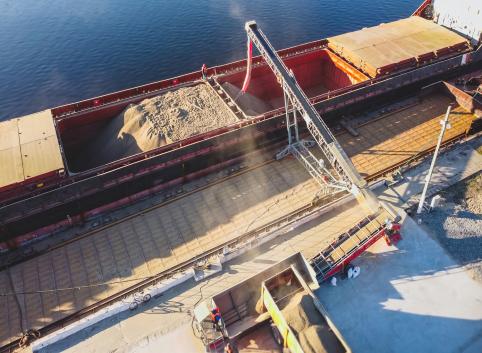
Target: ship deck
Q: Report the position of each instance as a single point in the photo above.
(149, 243)
(95, 266)
(403, 135)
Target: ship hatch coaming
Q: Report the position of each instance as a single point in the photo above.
(317, 72)
(397, 45)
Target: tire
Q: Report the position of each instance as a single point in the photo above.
(134, 305)
(146, 298)
(36, 333)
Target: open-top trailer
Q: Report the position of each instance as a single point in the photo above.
(265, 312)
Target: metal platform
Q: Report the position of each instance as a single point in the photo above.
(398, 137)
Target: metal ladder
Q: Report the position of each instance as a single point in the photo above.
(225, 97)
(322, 262)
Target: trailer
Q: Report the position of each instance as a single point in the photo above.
(251, 314)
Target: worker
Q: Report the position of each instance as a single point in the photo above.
(356, 271)
(392, 232)
(204, 72)
(216, 317)
(353, 272)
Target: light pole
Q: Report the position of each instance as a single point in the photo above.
(445, 125)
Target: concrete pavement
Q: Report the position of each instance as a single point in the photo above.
(412, 297)
(409, 298)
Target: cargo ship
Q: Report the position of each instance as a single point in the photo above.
(56, 170)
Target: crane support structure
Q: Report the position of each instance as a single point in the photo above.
(344, 174)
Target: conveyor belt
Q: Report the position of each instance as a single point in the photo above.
(315, 124)
(350, 244)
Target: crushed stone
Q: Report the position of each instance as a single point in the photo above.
(457, 223)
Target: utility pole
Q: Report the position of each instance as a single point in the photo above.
(445, 125)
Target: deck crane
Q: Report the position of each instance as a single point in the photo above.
(343, 175)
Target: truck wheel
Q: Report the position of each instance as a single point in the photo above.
(146, 298)
(346, 269)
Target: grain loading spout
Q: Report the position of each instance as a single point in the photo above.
(342, 175)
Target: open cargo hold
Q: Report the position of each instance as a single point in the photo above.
(196, 108)
(317, 72)
(154, 122)
(398, 45)
(174, 115)
(29, 150)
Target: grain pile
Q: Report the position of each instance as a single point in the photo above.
(249, 104)
(313, 333)
(159, 121)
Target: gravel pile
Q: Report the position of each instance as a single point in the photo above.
(457, 223)
(159, 121)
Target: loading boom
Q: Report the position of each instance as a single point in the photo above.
(344, 175)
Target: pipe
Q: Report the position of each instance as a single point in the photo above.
(445, 125)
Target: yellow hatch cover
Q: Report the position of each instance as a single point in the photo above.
(375, 49)
(29, 147)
